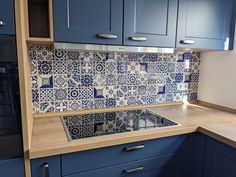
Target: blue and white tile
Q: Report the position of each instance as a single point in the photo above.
(46, 95)
(60, 66)
(45, 81)
(86, 80)
(61, 106)
(110, 91)
(99, 80)
(87, 92)
(45, 67)
(61, 94)
(74, 80)
(46, 107)
(74, 93)
(133, 67)
(111, 79)
(74, 105)
(60, 81)
(87, 68)
(99, 67)
(73, 55)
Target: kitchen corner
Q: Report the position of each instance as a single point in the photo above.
(117, 88)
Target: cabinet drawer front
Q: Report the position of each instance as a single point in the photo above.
(42, 167)
(104, 157)
(7, 22)
(88, 21)
(165, 166)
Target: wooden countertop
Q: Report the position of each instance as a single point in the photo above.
(49, 137)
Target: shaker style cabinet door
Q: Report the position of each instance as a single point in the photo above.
(205, 24)
(7, 20)
(88, 21)
(220, 159)
(150, 22)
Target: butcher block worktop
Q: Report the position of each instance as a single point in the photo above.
(49, 136)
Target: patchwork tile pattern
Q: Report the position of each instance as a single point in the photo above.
(64, 80)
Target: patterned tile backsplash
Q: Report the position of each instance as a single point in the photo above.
(64, 80)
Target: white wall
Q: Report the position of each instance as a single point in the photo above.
(218, 78)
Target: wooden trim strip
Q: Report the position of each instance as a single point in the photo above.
(215, 106)
(90, 111)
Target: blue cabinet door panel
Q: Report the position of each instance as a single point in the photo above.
(154, 20)
(206, 22)
(82, 20)
(7, 17)
(99, 158)
(220, 159)
(168, 166)
(196, 155)
(38, 168)
(12, 168)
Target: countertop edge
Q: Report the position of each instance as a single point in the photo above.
(110, 142)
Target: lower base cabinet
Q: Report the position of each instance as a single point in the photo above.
(220, 159)
(191, 155)
(12, 168)
(163, 166)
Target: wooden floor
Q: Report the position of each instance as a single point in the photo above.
(49, 137)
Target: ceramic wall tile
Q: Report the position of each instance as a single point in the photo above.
(66, 80)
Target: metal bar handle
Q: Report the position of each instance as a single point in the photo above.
(187, 41)
(134, 148)
(2, 23)
(137, 38)
(107, 36)
(134, 170)
(46, 169)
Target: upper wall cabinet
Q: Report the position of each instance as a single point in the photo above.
(7, 22)
(205, 24)
(150, 22)
(88, 21)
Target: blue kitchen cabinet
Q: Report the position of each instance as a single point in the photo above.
(196, 155)
(88, 21)
(150, 22)
(162, 166)
(12, 168)
(110, 156)
(205, 24)
(46, 167)
(220, 159)
(7, 22)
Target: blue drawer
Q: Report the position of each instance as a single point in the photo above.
(164, 166)
(99, 158)
(51, 165)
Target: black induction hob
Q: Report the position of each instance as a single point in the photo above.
(90, 125)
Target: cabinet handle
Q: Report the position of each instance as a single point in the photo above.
(2, 23)
(137, 38)
(134, 170)
(187, 41)
(46, 169)
(134, 148)
(107, 36)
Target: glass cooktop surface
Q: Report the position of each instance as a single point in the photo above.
(98, 124)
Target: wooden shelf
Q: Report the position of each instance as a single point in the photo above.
(34, 40)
